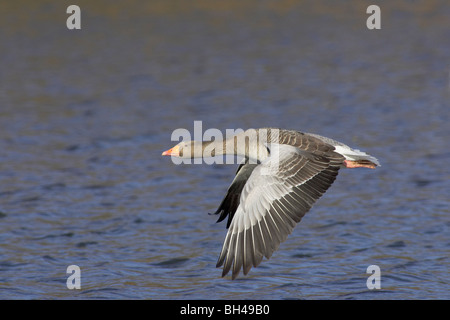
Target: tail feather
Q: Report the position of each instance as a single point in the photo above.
(357, 156)
(349, 153)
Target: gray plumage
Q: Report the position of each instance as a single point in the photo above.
(283, 175)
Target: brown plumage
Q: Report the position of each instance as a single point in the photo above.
(283, 175)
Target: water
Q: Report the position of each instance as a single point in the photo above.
(85, 115)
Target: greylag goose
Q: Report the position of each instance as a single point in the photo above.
(283, 173)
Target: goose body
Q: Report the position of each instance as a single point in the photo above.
(283, 174)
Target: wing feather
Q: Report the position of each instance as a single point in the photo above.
(272, 203)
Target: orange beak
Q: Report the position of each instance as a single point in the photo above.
(175, 151)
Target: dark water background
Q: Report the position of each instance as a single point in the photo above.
(85, 115)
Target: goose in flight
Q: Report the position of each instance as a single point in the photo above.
(283, 173)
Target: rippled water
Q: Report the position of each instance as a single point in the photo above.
(84, 116)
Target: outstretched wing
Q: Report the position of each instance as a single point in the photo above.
(230, 203)
(274, 198)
